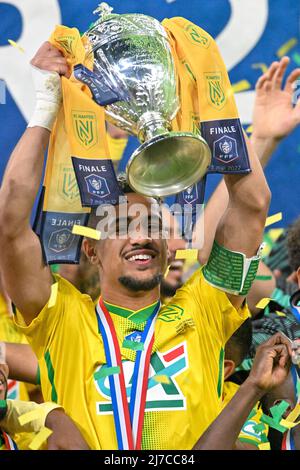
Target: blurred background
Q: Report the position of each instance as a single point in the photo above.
(250, 33)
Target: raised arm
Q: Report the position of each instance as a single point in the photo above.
(27, 279)
(274, 118)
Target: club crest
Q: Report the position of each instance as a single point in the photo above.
(85, 127)
(190, 195)
(196, 36)
(67, 184)
(215, 92)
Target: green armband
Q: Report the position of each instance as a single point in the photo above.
(231, 271)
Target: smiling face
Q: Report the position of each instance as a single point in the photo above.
(135, 259)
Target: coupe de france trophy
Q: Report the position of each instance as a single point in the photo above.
(133, 64)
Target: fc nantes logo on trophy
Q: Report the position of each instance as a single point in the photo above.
(215, 92)
(196, 35)
(85, 127)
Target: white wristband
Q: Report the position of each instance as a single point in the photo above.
(48, 98)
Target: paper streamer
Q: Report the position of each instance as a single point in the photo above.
(263, 278)
(264, 446)
(272, 219)
(241, 86)
(106, 371)
(40, 438)
(162, 379)
(280, 314)
(278, 410)
(53, 296)
(191, 254)
(263, 302)
(133, 345)
(31, 416)
(167, 271)
(272, 423)
(288, 424)
(16, 46)
(263, 67)
(286, 47)
(3, 404)
(86, 232)
(294, 414)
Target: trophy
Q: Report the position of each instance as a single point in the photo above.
(134, 77)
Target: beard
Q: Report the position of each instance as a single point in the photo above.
(136, 285)
(169, 290)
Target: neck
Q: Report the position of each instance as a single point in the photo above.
(129, 299)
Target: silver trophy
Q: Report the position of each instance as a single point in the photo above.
(132, 60)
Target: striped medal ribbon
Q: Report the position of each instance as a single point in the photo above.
(128, 420)
(9, 443)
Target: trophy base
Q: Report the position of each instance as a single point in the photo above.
(168, 164)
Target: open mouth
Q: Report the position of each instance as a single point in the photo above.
(141, 257)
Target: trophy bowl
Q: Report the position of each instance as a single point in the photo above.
(132, 59)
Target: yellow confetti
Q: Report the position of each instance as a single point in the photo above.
(187, 254)
(264, 446)
(286, 47)
(272, 219)
(53, 296)
(280, 314)
(162, 379)
(294, 413)
(249, 129)
(288, 424)
(14, 44)
(263, 302)
(263, 67)
(241, 86)
(86, 232)
(31, 416)
(40, 438)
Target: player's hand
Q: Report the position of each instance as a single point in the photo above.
(65, 436)
(49, 58)
(271, 364)
(274, 115)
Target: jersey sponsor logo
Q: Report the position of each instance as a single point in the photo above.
(67, 184)
(214, 88)
(160, 396)
(85, 126)
(196, 36)
(170, 313)
(97, 185)
(60, 240)
(225, 149)
(13, 389)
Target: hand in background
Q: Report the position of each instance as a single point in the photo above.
(274, 115)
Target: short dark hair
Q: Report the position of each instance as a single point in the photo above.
(238, 345)
(293, 244)
(125, 188)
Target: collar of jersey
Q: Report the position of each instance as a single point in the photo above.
(136, 316)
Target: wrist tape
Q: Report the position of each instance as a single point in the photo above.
(231, 271)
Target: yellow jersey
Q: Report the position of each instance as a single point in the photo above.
(248, 433)
(190, 334)
(10, 333)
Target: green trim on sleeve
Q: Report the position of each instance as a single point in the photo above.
(50, 370)
(38, 376)
(220, 378)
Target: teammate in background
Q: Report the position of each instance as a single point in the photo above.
(65, 435)
(270, 370)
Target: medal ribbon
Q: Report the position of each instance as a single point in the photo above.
(9, 443)
(128, 420)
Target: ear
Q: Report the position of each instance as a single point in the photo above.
(89, 248)
(229, 367)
